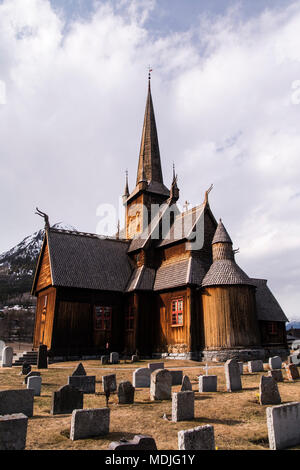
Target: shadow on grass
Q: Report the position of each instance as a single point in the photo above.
(113, 436)
(202, 397)
(249, 388)
(261, 441)
(228, 422)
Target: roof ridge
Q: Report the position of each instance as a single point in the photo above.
(87, 234)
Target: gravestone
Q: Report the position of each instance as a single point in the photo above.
(33, 373)
(283, 426)
(42, 358)
(134, 358)
(83, 383)
(183, 405)
(66, 399)
(255, 366)
(109, 383)
(26, 368)
(199, 438)
(176, 377)
(268, 391)
(114, 358)
(294, 359)
(35, 383)
(241, 366)
(16, 401)
(275, 363)
(126, 393)
(7, 356)
(79, 370)
(89, 423)
(2, 346)
(161, 384)
(141, 377)
(104, 360)
(276, 374)
(139, 442)
(13, 431)
(292, 372)
(208, 383)
(155, 366)
(233, 375)
(186, 385)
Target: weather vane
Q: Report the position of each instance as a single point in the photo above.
(149, 72)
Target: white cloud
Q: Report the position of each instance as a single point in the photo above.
(224, 99)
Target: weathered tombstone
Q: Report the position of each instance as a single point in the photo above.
(114, 358)
(42, 358)
(161, 384)
(283, 426)
(200, 438)
(13, 431)
(104, 360)
(16, 401)
(141, 377)
(241, 366)
(7, 356)
(35, 383)
(139, 442)
(126, 393)
(292, 372)
(176, 377)
(233, 375)
(134, 358)
(2, 346)
(294, 359)
(33, 373)
(268, 391)
(26, 368)
(186, 385)
(109, 383)
(208, 383)
(183, 405)
(275, 362)
(66, 399)
(255, 366)
(79, 370)
(89, 423)
(155, 366)
(276, 374)
(83, 383)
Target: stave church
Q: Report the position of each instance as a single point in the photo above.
(167, 285)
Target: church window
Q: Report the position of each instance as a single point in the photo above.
(129, 319)
(177, 312)
(103, 318)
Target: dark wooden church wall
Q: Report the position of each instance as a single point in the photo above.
(275, 338)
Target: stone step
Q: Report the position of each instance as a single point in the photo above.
(26, 356)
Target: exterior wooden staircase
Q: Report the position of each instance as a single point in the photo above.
(26, 356)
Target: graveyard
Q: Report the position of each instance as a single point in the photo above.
(238, 417)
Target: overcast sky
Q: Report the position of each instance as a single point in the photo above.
(226, 92)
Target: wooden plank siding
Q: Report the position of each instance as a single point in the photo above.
(273, 339)
(44, 276)
(44, 323)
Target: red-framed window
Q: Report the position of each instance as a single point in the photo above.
(177, 312)
(103, 318)
(272, 328)
(129, 319)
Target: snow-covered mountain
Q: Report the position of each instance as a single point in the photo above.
(293, 324)
(17, 265)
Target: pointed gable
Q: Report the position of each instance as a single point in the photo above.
(221, 235)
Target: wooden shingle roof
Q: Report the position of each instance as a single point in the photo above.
(221, 234)
(225, 272)
(189, 271)
(268, 309)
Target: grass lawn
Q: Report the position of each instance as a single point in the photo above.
(239, 420)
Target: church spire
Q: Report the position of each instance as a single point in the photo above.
(149, 168)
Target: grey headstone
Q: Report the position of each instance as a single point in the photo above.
(26, 368)
(79, 370)
(2, 346)
(35, 383)
(255, 366)
(114, 358)
(275, 362)
(233, 375)
(83, 383)
(241, 366)
(186, 385)
(139, 442)
(104, 360)
(134, 358)
(7, 356)
(176, 377)
(126, 393)
(183, 404)
(13, 431)
(276, 374)
(200, 438)
(141, 377)
(66, 399)
(208, 383)
(161, 384)
(268, 391)
(89, 423)
(294, 359)
(109, 383)
(283, 425)
(292, 372)
(16, 401)
(33, 373)
(42, 358)
(155, 366)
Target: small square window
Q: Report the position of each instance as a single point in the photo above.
(177, 312)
